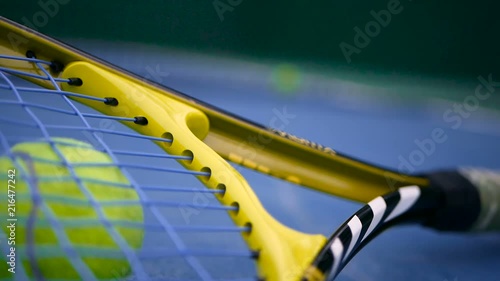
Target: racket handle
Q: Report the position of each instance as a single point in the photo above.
(487, 183)
(471, 200)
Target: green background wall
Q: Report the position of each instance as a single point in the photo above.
(438, 38)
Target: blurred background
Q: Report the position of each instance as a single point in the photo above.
(371, 79)
(444, 38)
(451, 40)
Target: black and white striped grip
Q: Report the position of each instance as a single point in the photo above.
(464, 200)
(360, 228)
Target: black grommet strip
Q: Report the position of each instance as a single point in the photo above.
(140, 120)
(255, 254)
(111, 101)
(75, 81)
(30, 54)
(56, 66)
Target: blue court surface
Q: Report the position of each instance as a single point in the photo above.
(379, 118)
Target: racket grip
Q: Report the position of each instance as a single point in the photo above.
(470, 200)
(487, 182)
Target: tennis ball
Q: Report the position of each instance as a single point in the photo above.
(286, 78)
(41, 174)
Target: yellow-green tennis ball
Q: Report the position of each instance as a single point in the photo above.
(70, 206)
(286, 78)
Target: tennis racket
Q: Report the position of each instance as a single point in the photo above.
(53, 92)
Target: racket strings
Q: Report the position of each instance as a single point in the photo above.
(21, 89)
(136, 120)
(120, 165)
(123, 185)
(116, 152)
(155, 204)
(63, 239)
(153, 227)
(76, 261)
